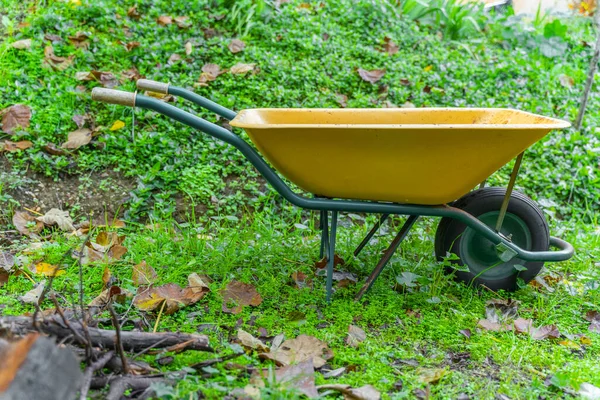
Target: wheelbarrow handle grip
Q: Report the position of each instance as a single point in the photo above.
(152, 86)
(112, 96)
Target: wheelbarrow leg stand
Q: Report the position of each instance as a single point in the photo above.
(387, 255)
(372, 232)
(323, 225)
(330, 238)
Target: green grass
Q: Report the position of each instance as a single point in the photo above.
(506, 65)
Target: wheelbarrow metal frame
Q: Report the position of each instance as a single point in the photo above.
(324, 205)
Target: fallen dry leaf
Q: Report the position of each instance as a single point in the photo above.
(566, 81)
(3, 277)
(366, 392)
(337, 260)
(106, 278)
(17, 116)
(210, 72)
(130, 45)
(133, 13)
(189, 47)
(173, 59)
(236, 45)
(355, 336)
(171, 294)
(77, 138)
(131, 74)
(389, 46)
(26, 224)
(164, 20)
(250, 342)
(7, 261)
(54, 150)
(300, 376)
(239, 294)
(58, 217)
(80, 40)
(372, 76)
(240, 68)
(593, 317)
(183, 22)
(47, 269)
(300, 349)
(7, 145)
(32, 296)
(112, 293)
(431, 375)
(56, 62)
(143, 274)
(342, 100)
(198, 283)
(301, 280)
(109, 238)
(22, 44)
(107, 79)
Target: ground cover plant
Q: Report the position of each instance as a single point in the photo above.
(196, 206)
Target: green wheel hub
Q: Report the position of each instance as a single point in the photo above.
(480, 255)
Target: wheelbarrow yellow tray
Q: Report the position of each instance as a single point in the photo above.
(418, 155)
(413, 162)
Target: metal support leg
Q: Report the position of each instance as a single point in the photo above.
(509, 189)
(410, 221)
(370, 234)
(331, 254)
(324, 233)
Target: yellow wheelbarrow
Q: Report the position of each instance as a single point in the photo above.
(414, 162)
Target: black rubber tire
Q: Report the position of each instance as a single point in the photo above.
(450, 232)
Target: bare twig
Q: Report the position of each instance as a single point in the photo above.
(87, 238)
(119, 343)
(65, 321)
(120, 385)
(89, 372)
(208, 363)
(147, 349)
(40, 300)
(590, 79)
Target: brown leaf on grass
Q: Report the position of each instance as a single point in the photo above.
(56, 62)
(250, 342)
(171, 294)
(198, 283)
(593, 317)
(77, 138)
(366, 392)
(133, 13)
(372, 76)
(109, 238)
(337, 260)
(22, 44)
(300, 349)
(189, 47)
(236, 45)
(466, 333)
(116, 252)
(173, 59)
(131, 74)
(80, 40)
(300, 376)
(210, 72)
(106, 277)
(107, 79)
(7, 261)
(566, 81)
(17, 116)
(493, 326)
(389, 46)
(130, 45)
(183, 22)
(240, 68)
(500, 310)
(342, 100)
(545, 332)
(54, 150)
(114, 292)
(26, 224)
(58, 217)
(301, 280)
(7, 145)
(355, 336)
(164, 20)
(239, 294)
(3, 277)
(143, 274)
(52, 37)
(32, 296)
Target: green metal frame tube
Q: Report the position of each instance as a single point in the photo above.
(565, 249)
(202, 102)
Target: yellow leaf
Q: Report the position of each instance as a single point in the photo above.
(585, 340)
(75, 3)
(117, 125)
(428, 68)
(569, 344)
(48, 270)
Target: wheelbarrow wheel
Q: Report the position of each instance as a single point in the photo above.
(478, 261)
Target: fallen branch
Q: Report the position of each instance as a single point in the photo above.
(119, 384)
(132, 341)
(89, 372)
(119, 343)
(208, 363)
